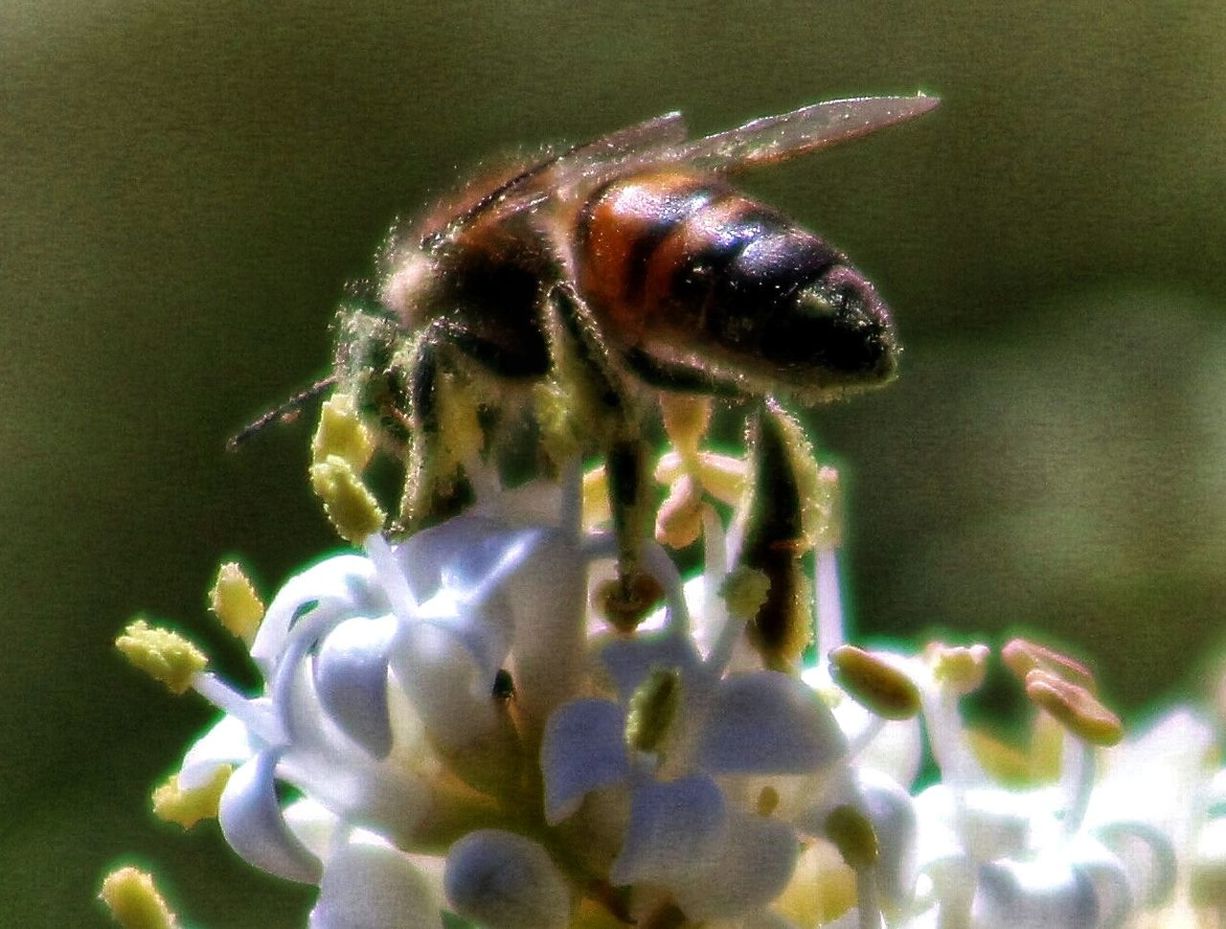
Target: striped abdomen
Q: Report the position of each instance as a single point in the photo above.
(691, 271)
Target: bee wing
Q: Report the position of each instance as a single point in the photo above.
(550, 177)
(777, 138)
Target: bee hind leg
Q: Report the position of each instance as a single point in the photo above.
(601, 413)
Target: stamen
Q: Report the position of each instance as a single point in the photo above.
(235, 603)
(351, 507)
(134, 901)
(874, 683)
(1074, 707)
(166, 656)
(829, 607)
(173, 804)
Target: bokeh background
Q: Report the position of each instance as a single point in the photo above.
(186, 186)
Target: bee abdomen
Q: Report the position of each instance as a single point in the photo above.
(675, 254)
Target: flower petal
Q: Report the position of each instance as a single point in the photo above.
(1033, 895)
(449, 689)
(630, 661)
(369, 884)
(676, 827)
(768, 722)
(505, 881)
(749, 870)
(228, 742)
(340, 585)
(251, 820)
(583, 749)
(351, 680)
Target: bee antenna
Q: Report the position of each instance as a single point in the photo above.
(282, 412)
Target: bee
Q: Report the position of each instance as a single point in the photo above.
(623, 266)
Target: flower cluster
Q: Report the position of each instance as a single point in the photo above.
(451, 723)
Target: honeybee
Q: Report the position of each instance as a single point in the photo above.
(621, 266)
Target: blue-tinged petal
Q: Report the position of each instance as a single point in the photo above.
(583, 749)
(251, 820)
(892, 813)
(450, 691)
(768, 722)
(546, 593)
(369, 884)
(676, 828)
(630, 661)
(340, 585)
(1112, 890)
(459, 554)
(505, 881)
(749, 870)
(1033, 895)
(229, 742)
(351, 680)
(1148, 856)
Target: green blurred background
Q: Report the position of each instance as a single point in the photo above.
(187, 186)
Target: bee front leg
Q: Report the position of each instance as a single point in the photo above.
(601, 413)
(435, 485)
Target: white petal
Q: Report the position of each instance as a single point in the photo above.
(351, 679)
(313, 824)
(449, 689)
(583, 749)
(1148, 856)
(506, 881)
(750, 869)
(1106, 873)
(1033, 895)
(546, 593)
(768, 723)
(340, 585)
(227, 743)
(630, 661)
(368, 884)
(676, 827)
(251, 820)
(892, 813)
(459, 554)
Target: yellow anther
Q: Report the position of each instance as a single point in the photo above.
(342, 433)
(686, 418)
(351, 507)
(854, 836)
(164, 655)
(961, 668)
(1021, 656)
(1074, 707)
(172, 804)
(235, 603)
(679, 520)
(653, 705)
(721, 476)
(874, 683)
(768, 801)
(134, 901)
(744, 591)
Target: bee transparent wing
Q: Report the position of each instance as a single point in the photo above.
(551, 176)
(777, 138)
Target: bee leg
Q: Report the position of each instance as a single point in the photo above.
(445, 430)
(602, 404)
(680, 378)
(433, 487)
